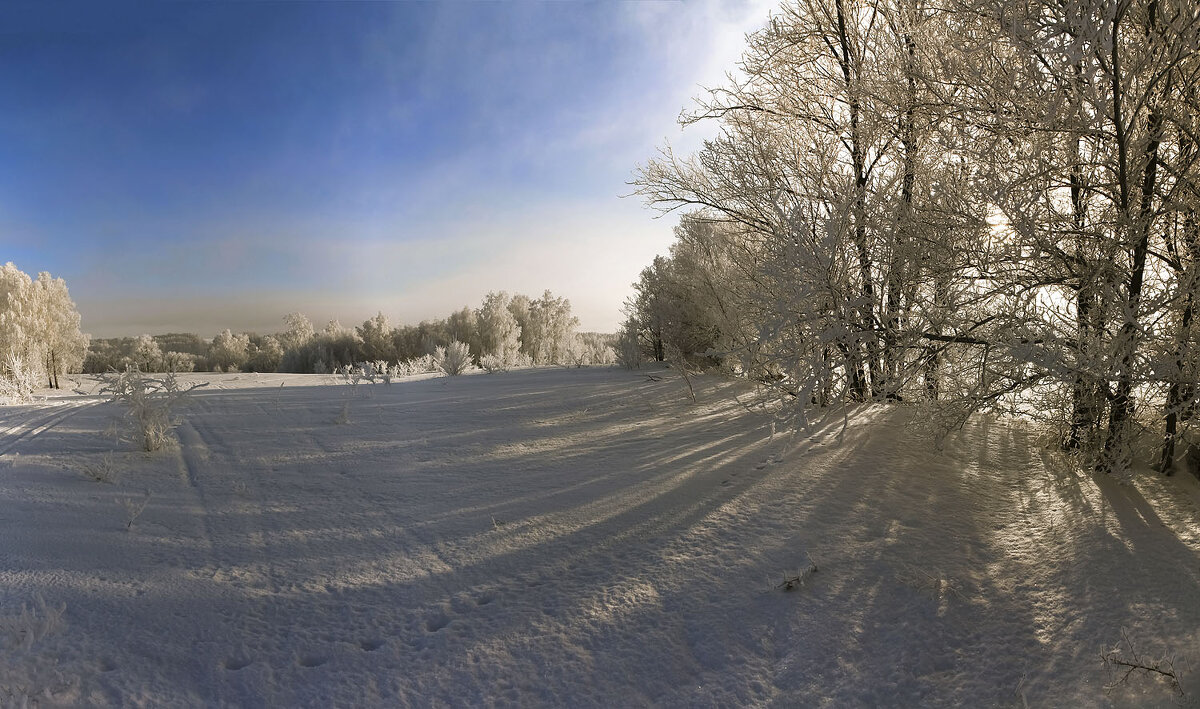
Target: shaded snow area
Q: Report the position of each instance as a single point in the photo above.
(575, 538)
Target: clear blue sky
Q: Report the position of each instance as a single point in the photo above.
(192, 166)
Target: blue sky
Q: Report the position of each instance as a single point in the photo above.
(194, 166)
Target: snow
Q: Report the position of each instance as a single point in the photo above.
(575, 538)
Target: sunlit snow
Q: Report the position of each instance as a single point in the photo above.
(574, 538)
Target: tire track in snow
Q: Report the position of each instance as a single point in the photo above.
(239, 570)
(25, 431)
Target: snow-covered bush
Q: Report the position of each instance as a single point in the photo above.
(149, 405)
(32, 625)
(454, 359)
(351, 375)
(134, 507)
(18, 379)
(29, 676)
(384, 371)
(628, 350)
(492, 363)
(577, 354)
(104, 470)
(419, 365)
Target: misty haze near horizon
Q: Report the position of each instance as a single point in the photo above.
(206, 166)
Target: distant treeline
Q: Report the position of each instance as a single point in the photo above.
(503, 331)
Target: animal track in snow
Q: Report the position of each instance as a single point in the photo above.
(437, 622)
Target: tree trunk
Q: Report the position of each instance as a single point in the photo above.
(870, 324)
(1122, 408)
(897, 273)
(1179, 394)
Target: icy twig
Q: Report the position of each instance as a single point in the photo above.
(103, 471)
(1133, 663)
(133, 508)
(791, 583)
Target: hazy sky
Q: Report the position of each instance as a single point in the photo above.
(199, 166)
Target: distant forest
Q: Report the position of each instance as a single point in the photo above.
(504, 330)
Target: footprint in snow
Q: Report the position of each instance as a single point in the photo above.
(236, 663)
(437, 622)
(312, 660)
(371, 645)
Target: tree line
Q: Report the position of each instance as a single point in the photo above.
(504, 331)
(982, 204)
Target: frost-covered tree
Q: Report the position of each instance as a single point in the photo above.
(179, 362)
(229, 352)
(497, 328)
(988, 204)
(298, 330)
(265, 354)
(376, 336)
(146, 354)
(518, 305)
(453, 359)
(62, 344)
(461, 327)
(814, 150)
(20, 353)
(551, 329)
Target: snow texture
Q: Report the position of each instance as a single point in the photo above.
(574, 538)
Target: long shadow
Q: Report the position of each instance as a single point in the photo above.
(629, 564)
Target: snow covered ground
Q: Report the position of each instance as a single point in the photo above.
(574, 538)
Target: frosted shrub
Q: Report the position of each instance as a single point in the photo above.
(104, 470)
(32, 625)
(380, 370)
(603, 355)
(149, 403)
(351, 375)
(493, 363)
(419, 365)
(134, 507)
(18, 379)
(453, 359)
(576, 354)
(628, 352)
(29, 674)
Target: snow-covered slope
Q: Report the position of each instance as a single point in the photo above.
(574, 538)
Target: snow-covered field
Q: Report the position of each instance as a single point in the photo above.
(574, 538)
